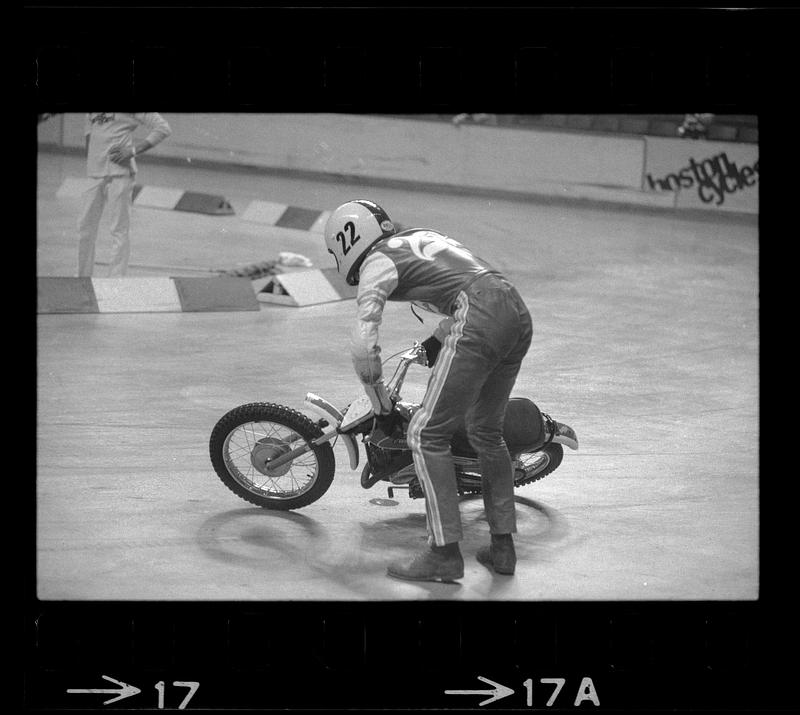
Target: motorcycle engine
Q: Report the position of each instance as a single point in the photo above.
(386, 461)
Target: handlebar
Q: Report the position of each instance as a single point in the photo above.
(415, 354)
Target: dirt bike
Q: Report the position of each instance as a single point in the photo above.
(276, 457)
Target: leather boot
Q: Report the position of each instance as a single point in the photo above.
(439, 563)
(499, 555)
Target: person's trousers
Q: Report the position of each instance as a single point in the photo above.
(114, 193)
(472, 378)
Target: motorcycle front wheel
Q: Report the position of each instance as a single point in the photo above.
(247, 438)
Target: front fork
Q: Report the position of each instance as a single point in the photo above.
(331, 415)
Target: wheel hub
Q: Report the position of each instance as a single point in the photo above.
(266, 450)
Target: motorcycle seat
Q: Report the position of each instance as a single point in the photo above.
(523, 428)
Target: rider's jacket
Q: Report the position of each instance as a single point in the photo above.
(422, 266)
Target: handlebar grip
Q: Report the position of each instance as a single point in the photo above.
(432, 346)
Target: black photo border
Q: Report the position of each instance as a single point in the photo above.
(640, 656)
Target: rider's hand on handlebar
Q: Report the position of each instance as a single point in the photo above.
(432, 347)
(388, 422)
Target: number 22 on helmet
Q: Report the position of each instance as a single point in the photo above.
(351, 230)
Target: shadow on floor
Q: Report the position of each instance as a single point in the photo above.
(353, 558)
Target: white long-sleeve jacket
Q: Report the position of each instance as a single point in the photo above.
(107, 130)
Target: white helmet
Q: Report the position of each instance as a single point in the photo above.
(351, 231)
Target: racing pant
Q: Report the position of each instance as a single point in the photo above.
(472, 378)
(117, 193)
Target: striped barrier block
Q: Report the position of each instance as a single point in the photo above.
(145, 295)
(136, 295)
(215, 294)
(157, 197)
(66, 295)
(179, 200)
(285, 216)
(302, 288)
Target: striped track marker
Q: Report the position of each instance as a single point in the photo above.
(178, 200)
(136, 295)
(303, 288)
(285, 216)
(157, 197)
(145, 295)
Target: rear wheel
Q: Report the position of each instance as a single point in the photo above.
(249, 437)
(533, 466)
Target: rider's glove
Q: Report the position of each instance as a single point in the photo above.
(432, 347)
(388, 423)
(379, 397)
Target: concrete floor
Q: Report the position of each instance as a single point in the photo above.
(646, 342)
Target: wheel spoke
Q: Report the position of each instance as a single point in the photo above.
(238, 450)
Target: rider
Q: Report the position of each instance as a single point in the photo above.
(480, 343)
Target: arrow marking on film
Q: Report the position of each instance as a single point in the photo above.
(498, 691)
(124, 691)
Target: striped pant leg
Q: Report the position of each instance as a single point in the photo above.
(484, 423)
(485, 419)
(454, 383)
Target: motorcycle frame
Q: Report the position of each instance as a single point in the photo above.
(327, 410)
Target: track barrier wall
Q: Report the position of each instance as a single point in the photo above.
(630, 170)
(719, 176)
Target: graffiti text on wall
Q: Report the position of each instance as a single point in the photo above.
(714, 178)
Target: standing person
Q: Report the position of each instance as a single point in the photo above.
(695, 126)
(475, 352)
(111, 165)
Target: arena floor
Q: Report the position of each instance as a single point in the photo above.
(646, 342)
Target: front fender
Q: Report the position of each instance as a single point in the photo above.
(326, 410)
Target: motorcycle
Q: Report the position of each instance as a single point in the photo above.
(277, 457)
